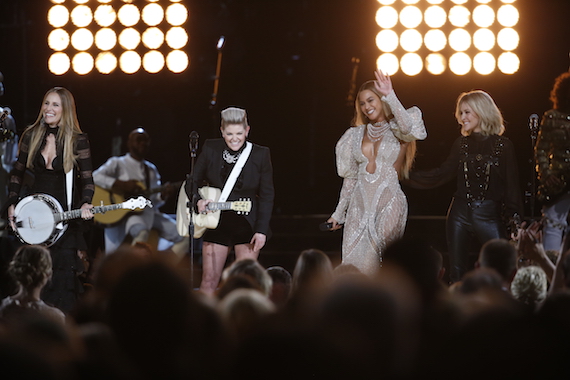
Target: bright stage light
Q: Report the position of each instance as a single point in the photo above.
(435, 17)
(58, 40)
(153, 14)
(435, 40)
(455, 35)
(387, 40)
(509, 63)
(411, 17)
(411, 64)
(124, 34)
(386, 17)
(130, 62)
(153, 61)
(460, 63)
(484, 63)
(106, 62)
(435, 63)
(81, 16)
(58, 16)
(82, 63)
(59, 63)
(388, 63)
(105, 15)
(176, 14)
(483, 16)
(177, 61)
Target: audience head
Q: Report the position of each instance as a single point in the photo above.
(530, 285)
(281, 289)
(31, 266)
(313, 270)
(243, 310)
(422, 262)
(251, 268)
(500, 255)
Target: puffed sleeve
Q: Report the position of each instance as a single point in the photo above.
(407, 124)
(347, 168)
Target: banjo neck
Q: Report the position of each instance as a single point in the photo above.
(75, 214)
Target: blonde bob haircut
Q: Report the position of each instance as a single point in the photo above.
(360, 118)
(234, 115)
(490, 118)
(68, 129)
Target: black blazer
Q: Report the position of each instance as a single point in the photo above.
(255, 180)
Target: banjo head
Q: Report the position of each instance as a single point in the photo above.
(35, 220)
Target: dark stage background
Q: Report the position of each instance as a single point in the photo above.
(289, 64)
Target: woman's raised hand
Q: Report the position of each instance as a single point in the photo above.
(383, 82)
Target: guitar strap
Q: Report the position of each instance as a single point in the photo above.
(235, 172)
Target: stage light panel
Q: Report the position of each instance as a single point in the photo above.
(124, 34)
(458, 35)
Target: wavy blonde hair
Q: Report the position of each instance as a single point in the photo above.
(490, 118)
(68, 129)
(360, 118)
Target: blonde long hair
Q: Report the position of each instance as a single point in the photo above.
(360, 118)
(68, 130)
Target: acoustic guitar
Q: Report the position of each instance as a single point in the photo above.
(108, 197)
(210, 219)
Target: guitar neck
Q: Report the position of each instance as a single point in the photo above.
(215, 206)
(75, 214)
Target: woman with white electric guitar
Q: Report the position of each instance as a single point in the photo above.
(56, 151)
(241, 170)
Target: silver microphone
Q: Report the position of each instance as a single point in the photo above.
(533, 122)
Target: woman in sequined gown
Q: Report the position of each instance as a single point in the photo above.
(484, 164)
(52, 146)
(370, 157)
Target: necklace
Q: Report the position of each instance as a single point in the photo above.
(230, 158)
(376, 131)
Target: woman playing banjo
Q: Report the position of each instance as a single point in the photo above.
(52, 147)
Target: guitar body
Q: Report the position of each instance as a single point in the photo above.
(210, 219)
(106, 197)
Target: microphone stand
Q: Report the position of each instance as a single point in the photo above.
(533, 126)
(191, 190)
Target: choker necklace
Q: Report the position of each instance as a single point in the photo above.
(230, 158)
(377, 130)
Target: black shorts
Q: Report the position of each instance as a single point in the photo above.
(233, 229)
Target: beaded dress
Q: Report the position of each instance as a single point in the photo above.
(372, 206)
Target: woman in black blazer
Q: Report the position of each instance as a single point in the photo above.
(247, 234)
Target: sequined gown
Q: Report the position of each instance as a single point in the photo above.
(373, 206)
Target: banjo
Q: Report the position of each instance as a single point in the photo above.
(40, 219)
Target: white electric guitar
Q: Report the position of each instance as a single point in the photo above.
(210, 219)
(40, 219)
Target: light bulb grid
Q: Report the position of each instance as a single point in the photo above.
(160, 21)
(445, 52)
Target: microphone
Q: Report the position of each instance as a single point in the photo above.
(221, 43)
(194, 137)
(533, 122)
